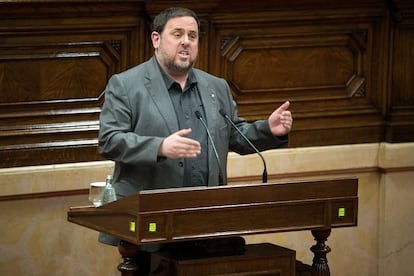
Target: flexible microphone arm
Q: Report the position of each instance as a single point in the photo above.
(198, 115)
(264, 175)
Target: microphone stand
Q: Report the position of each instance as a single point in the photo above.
(198, 115)
(264, 175)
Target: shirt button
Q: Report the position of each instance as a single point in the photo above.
(181, 163)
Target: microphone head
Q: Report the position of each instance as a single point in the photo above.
(198, 114)
(222, 112)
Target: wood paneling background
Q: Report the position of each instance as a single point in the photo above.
(346, 66)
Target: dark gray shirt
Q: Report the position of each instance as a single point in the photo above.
(186, 102)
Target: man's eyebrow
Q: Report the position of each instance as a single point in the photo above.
(183, 29)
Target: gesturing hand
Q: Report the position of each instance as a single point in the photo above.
(177, 145)
(280, 121)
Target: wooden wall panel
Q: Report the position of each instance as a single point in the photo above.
(55, 61)
(345, 66)
(320, 62)
(400, 115)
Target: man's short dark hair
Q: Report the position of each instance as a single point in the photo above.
(162, 18)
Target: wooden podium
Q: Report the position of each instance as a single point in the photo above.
(197, 213)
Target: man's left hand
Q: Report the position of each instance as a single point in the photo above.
(280, 121)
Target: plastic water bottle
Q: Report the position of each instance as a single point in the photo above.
(108, 193)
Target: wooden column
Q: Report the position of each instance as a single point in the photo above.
(320, 249)
(129, 253)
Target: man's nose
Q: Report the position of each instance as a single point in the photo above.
(186, 40)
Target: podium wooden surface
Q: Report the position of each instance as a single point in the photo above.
(195, 213)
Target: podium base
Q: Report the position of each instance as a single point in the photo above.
(263, 259)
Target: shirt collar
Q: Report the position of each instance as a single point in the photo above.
(191, 80)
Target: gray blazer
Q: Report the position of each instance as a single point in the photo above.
(138, 114)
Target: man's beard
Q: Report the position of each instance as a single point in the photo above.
(173, 66)
(176, 67)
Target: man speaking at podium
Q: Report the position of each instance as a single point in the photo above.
(167, 124)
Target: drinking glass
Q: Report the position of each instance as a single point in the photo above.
(95, 193)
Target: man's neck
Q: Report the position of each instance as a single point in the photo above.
(181, 79)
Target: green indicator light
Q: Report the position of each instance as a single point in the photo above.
(132, 226)
(341, 212)
(152, 227)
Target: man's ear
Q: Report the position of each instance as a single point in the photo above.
(155, 38)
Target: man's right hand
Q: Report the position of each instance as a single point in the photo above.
(177, 145)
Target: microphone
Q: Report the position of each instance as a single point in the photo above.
(198, 115)
(264, 175)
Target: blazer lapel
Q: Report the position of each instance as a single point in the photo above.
(208, 98)
(159, 93)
